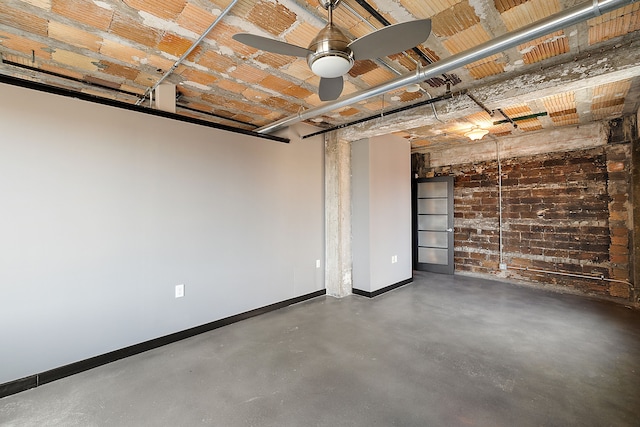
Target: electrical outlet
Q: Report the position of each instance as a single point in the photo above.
(179, 290)
(317, 263)
(394, 259)
(503, 266)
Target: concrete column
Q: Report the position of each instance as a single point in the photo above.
(338, 264)
(635, 201)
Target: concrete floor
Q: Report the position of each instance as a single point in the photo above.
(443, 351)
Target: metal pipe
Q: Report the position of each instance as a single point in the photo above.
(429, 101)
(500, 223)
(517, 119)
(434, 82)
(433, 106)
(581, 276)
(507, 118)
(188, 52)
(217, 116)
(480, 104)
(530, 32)
(373, 27)
(381, 19)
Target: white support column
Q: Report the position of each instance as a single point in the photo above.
(338, 275)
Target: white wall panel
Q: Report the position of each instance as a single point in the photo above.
(105, 210)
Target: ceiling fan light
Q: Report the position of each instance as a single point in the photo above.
(331, 66)
(476, 134)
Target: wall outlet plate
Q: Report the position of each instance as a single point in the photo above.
(180, 290)
(503, 266)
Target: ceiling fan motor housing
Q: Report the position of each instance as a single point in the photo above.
(329, 3)
(331, 56)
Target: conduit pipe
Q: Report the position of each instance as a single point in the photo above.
(381, 19)
(429, 101)
(581, 276)
(187, 53)
(380, 61)
(502, 265)
(555, 22)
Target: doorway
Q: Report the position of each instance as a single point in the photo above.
(433, 224)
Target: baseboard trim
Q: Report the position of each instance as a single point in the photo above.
(32, 381)
(13, 387)
(382, 290)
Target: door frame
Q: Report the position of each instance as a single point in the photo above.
(450, 267)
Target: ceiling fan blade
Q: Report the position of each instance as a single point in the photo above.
(330, 89)
(392, 39)
(271, 45)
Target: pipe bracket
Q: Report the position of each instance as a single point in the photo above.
(596, 8)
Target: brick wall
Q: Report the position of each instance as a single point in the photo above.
(564, 212)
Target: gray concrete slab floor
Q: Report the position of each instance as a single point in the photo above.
(442, 351)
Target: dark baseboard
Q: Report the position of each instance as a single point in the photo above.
(382, 290)
(13, 387)
(22, 384)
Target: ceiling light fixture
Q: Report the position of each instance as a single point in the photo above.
(330, 55)
(331, 65)
(476, 134)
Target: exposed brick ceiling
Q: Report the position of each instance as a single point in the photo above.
(120, 48)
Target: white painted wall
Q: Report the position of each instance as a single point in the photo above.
(103, 211)
(381, 206)
(360, 214)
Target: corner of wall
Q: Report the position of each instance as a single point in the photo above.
(382, 198)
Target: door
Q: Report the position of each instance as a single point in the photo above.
(433, 224)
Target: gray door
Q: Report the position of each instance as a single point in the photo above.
(433, 224)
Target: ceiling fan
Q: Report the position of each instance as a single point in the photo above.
(331, 54)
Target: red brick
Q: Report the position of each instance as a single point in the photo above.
(620, 240)
(620, 274)
(569, 189)
(620, 290)
(618, 216)
(618, 250)
(618, 176)
(619, 259)
(619, 231)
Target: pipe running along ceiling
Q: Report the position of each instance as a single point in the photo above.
(517, 58)
(546, 26)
